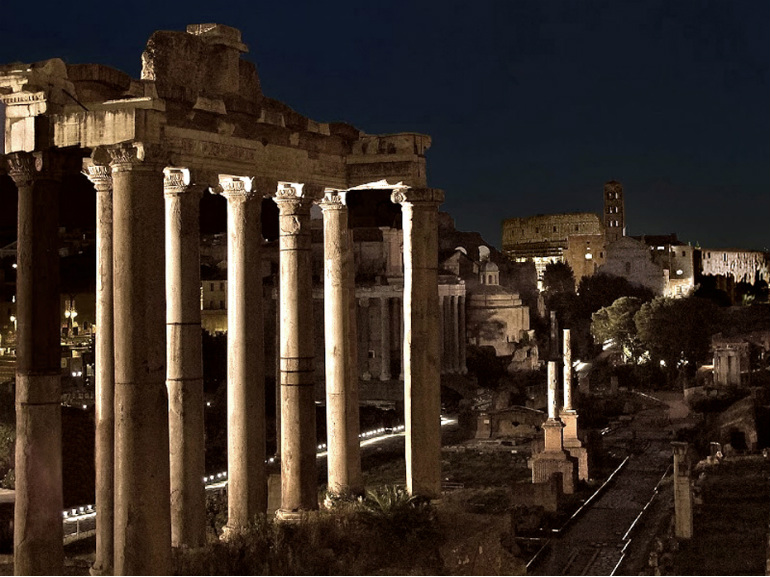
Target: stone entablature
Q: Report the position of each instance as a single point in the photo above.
(203, 105)
(742, 265)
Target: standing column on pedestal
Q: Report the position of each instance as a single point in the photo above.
(363, 336)
(455, 335)
(384, 338)
(142, 478)
(184, 377)
(247, 476)
(299, 491)
(683, 501)
(104, 363)
(38, 545)
(553, 435)
(337, 340)
(463, 352)
(422, 377)
(355, 477)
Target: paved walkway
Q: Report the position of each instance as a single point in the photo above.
(600, 540)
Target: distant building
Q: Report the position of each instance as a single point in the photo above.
(545, 239)
(614, 211)
(630, 258)
(748, 266)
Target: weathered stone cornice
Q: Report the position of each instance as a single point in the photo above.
(417, 196)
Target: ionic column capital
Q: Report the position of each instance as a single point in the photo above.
(297, 194)
(333, 200)
(136, 155)
(236, 188)
(413, 196)
(179, 182)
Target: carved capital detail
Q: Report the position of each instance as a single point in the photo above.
(25, 167)
(100, 175)
(417, 196)
(333, 200)
(178, 182)
(21, 168)
(132, 155)
(236, 187)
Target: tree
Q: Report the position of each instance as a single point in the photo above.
(677, 332)
(616, 323)
(601, 290)
(558, 278)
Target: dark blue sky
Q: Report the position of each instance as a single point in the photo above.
(532, 104)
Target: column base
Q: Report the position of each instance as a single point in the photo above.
(99, 571)
(283, 516)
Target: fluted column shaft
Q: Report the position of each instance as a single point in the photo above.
(337, 341)
(298, 435)
(184, 377)
(38, 547)
(104, 362)
(142, 485)
(422, 377)
(246, 451)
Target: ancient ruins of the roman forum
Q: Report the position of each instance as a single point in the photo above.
(259, 280)
(195, 120)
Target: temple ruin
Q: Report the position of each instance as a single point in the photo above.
(197, 119)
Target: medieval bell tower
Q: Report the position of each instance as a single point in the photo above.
(614, 211)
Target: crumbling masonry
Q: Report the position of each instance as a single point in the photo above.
(197, 119)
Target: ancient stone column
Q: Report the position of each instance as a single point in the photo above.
(142, 481)
(184, 377)
(553, 459)
(337, 339)
(363, 335)
(683, 505)
(299, 490)
(463, 338)
(384, 338)
(553, 384)
(104, 363)
(572, 443)
(567, 356)
(246, 451)
(422, 377)
(400, 325)
(442, 336)
(455, 334)
(355, 477)
(38, 545)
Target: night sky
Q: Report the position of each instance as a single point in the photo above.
(532, 104)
